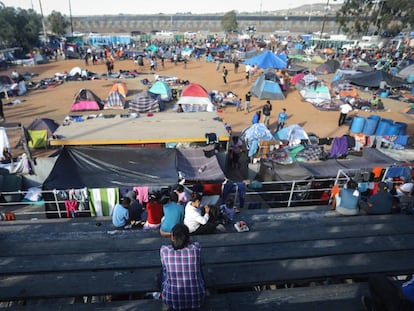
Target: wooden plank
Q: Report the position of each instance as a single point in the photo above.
(72, 284)
(339, 297)
(213, 255)
(340, 266)
(218, 276)
(137, 241)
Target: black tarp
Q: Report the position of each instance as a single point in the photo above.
(370, 158)
(112, 166)
(195, 165)
(373, 79)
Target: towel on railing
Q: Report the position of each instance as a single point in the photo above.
(103, 201)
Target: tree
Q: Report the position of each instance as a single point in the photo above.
(364, 16)
(19, 28)
(229, 22)
(58, 23)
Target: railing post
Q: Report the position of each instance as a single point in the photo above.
(292, 189)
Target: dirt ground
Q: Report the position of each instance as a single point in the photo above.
(55, 102)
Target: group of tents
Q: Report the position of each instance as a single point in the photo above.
(194, 98)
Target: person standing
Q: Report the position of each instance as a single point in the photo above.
(267, 109)
(238, 105)
(218, 64)
(182, 283)
(256, 117)
(281, 119)
(236, 146)
(3, 118)
(225, 73)
(173, 215)
(247, 99)
(345, 109)
(236, 65)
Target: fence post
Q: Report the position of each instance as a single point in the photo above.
(57, 203)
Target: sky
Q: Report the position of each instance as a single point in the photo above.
(98, 7)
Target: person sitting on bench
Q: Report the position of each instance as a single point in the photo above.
(182, 283)
(347, 200)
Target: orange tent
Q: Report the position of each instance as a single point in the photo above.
(120, 87)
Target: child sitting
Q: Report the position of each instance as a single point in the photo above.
(227, 210)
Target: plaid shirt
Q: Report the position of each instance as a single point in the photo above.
(183, 286)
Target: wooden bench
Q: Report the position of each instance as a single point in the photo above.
(285, 247)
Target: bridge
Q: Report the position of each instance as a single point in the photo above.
(211, 23)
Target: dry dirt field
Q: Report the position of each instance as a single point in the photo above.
(55, 103)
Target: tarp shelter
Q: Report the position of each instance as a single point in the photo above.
(374, 78)
(144, 104)
(254, 134)
(293, 133)
(266, 89)
(316, 95)
(317, 59)
(39, 131)
(120, 87)
(330, 66)
(115, 100)
(297, 77)
(75, 71)
(195, 98)
(266, 60)
(40, 59)
(406, 72)
(195, 165)
(153, 48)
(162, 89)
(112, 166)
(85, 100)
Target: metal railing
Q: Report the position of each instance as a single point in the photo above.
(271, 195)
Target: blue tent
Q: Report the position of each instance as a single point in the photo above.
(266, 60)
(266, 89)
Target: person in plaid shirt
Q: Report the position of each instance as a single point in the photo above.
(182, 284)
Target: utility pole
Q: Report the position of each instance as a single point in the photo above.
(324, 19)
(71, 21)
(43, 21)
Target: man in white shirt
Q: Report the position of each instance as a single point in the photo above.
(345, 109)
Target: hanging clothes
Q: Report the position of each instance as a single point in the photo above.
(71, 208)
(103, 201)
(238, 188)
(142, 194)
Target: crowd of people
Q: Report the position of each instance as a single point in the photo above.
(163, 212)
(177, 216)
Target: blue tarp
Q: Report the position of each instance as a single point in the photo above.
(266, 60)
